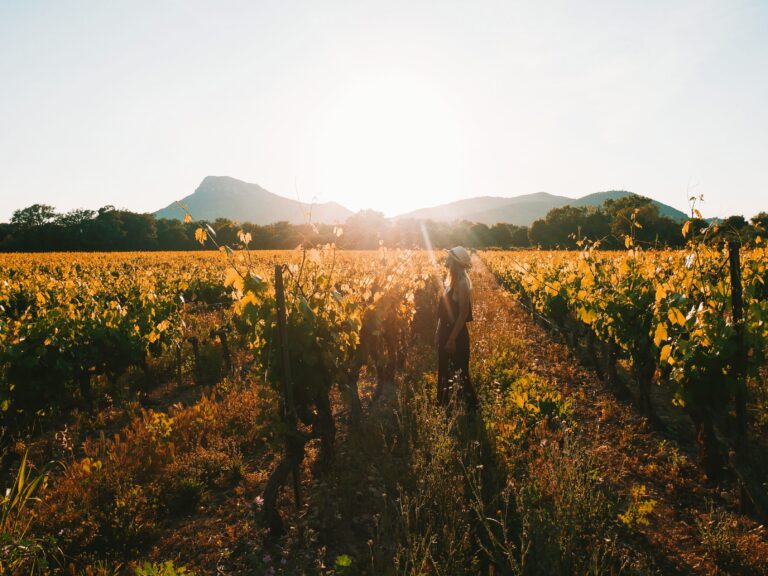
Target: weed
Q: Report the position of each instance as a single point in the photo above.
(721, 537)
(639, 508)
(166, 568)
(19, 551)
(434, 529)
(183, 496)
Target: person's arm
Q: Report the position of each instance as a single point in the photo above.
(462, 293)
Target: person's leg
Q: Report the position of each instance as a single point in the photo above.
(461, 364)
(443, 376)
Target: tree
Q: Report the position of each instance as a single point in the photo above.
(6, 236)
(501, 235)
(613, 206)
(75, 217)
(33, 216)
(105, 232)
(172, 235)
(226, 232)
(139, 231)
(520, 236)
(479, 235)
(596, 224)
(364, 230)
(760, 222)
(566, 225)
(540, 234)
(669, 232)
(638, 217)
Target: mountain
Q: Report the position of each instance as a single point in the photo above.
(225, 197)
(520, 210)
(483, 208)
(598, 198)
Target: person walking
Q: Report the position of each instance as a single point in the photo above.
(455, 310)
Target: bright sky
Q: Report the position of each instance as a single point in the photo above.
(392, 105)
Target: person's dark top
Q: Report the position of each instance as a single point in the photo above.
(448, 311)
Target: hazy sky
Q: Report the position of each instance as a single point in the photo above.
(389, 105)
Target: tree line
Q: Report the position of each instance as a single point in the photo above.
(636, 216)
(39, 228)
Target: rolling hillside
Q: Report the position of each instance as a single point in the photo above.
(225, 197)
(520, 210)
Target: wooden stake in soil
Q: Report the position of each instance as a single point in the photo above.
(752, 490)
(196, 355)
(84, 380)
(294, 442)
(221, 334)
(179, 379)
(740, 367)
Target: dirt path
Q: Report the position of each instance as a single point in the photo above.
(629, 453)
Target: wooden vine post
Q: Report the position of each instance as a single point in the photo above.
(179, 379)
(294, 441)
(197, 372)
(740, 368)
(289, 410)
(753, 494)
(221, 334)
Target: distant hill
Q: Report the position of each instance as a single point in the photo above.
(598, 198)
(225, 197)
(491, 209)
(520, 210)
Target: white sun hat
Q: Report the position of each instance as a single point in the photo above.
(461, 255)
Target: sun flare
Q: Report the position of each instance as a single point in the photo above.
(394, 138)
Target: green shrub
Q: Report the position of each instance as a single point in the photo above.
(183, 496)
(165, 569)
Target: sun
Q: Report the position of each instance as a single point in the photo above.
(391, 142)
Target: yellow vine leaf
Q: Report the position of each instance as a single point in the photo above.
(234, 279)
(676, 317)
